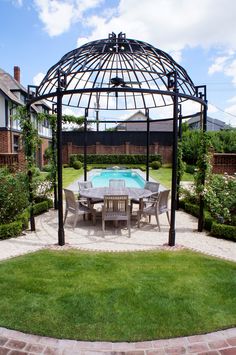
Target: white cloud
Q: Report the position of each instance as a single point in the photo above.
(55, 15)
(218, 64)
(171, 25)
(226, 65)
(230, 70)
(38, 78)
(58, 16)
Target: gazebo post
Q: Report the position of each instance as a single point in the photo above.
(180, 139)
(54, 149)
(172, 84)
(202, 95)
(147, 143)
(85, 143)
(61, 234)
(30, 177)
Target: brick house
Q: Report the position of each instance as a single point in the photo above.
(12, 95)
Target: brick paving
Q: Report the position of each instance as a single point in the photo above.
(218, 343)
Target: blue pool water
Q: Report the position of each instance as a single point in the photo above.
(132, 179)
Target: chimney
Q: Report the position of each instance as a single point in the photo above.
(17, 74)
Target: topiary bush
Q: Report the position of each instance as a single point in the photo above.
(77, 165)
(155, 165)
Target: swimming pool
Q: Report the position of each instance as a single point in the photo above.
(132, 179)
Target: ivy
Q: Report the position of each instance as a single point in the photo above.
(203, 164)
(30, 135)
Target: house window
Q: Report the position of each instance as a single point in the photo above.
(15, 143)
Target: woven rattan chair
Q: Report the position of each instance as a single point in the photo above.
(116, 208)
(151, 186)
(76, 207)
(116, 183)
(155, 207)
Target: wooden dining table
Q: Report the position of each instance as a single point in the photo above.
(134, 193)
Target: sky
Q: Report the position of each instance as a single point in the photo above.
(200, 36)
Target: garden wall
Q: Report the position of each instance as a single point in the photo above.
(224, 163)
(117, 143)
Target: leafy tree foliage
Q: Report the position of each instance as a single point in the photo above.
(220, 142)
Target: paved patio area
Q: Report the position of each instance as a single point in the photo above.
(88, 237)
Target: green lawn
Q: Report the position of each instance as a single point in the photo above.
(69, 175)
(163, 175)
(117, 297)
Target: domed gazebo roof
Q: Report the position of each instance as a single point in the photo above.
(116, 74)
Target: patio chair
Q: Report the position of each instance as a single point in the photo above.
(155, 207)
(77, 207)
(149, 185)
(116, 209)
(83, 185)
(116, 183)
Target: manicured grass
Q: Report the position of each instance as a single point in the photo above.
(163, 175)
(69, 175)
(117, 297)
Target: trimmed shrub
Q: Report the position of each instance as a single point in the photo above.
(223, 231)
(40, 207)
(208, 220)
(39, 199)
(10, 230)
(155, 165)
(77, 165)
(192, 209)
(114, 159)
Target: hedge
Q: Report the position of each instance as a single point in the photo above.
(223, 231)
(10, 230)
(39, 199)
(114, 159)
(216, 229)
(40, 208)
(24, 219)
(15, 228)
(194, 210)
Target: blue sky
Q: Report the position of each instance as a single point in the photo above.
(200, 36)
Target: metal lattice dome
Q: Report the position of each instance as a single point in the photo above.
(116, 74)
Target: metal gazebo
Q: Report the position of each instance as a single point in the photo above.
(122, 74)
